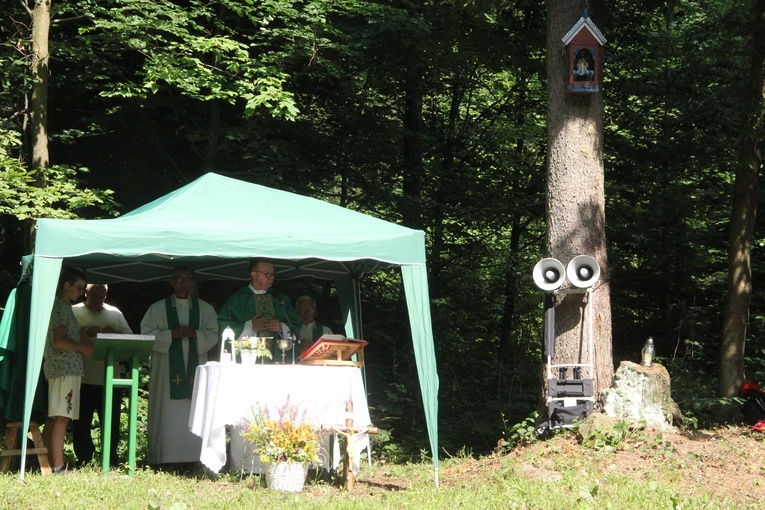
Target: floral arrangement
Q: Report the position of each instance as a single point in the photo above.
(281, 435)
(255, 343)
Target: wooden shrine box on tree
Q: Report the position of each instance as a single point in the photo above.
(584, 43)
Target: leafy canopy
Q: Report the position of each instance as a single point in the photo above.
(62, 197)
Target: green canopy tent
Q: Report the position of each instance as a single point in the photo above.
(214, 225)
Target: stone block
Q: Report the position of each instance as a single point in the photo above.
(641, 394)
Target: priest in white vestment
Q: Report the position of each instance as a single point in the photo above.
(185, 328)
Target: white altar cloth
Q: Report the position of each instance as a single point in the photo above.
(225, 393)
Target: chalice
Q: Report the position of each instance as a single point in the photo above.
(285, 344)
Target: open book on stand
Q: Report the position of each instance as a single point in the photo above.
(334, 350)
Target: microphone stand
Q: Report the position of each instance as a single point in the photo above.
(289, 325)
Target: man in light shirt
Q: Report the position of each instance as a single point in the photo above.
(95, 316)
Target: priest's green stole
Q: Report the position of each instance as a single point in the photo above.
(318, 331)
(182, 377)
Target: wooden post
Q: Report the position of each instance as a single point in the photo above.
(348, 457)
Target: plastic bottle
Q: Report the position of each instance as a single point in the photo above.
(647, 353)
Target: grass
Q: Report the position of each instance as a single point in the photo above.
(626, 469)
(492, 482)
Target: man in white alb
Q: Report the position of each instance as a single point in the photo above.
(185, 329)
(95, 316)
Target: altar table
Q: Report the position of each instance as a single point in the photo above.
(225, 394)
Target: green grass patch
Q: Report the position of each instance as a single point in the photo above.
(544, 481)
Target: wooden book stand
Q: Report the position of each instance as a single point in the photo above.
(331, 350)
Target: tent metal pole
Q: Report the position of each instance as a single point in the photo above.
(357, 329)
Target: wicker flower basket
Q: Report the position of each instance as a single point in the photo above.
(286, 476)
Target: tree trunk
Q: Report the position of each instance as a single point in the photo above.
(213, 136)
(39, 104)
(576, 200)
(510, 292)
(412, 164)
(743, 214)
(446, 183)
(412, 151)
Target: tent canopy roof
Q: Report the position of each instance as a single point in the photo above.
(215, 224)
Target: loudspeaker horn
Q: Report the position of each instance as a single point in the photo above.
(549, 274)
(583, 271)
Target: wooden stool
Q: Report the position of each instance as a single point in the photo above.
(10, 450)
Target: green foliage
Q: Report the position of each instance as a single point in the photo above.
(194, 50)
(588, 493)
(142, 447)
(671, 136)
(62, 196)
(689, 422)
(522, 433)
(386, 450)
(695, 392)
(608, 439)
(624, 434)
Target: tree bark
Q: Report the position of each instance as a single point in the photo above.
(213, 136)
(412, 164)
(39, 104)
(576, 201)
(412, 168)
(743, 215)
(505, 354)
